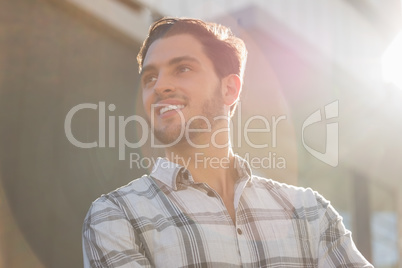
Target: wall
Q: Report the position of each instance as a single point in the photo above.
(53, 58)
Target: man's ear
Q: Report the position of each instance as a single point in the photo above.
(231, 89)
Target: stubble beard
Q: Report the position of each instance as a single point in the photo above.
(174, 134)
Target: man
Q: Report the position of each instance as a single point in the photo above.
(201, 206)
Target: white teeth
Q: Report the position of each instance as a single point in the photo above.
(170, 107)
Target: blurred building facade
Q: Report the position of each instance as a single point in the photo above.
(303, 56)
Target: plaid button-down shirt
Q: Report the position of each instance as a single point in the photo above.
(168, 220)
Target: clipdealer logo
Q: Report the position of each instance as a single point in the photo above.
(330, 156)
(108, 124)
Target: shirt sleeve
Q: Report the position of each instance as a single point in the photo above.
(336, 248)
(108, 238)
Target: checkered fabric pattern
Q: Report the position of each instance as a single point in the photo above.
(168, 220)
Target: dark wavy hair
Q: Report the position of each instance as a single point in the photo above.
(227, 52)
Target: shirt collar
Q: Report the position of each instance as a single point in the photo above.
(172, 174)
(167, 172)
(243, 168)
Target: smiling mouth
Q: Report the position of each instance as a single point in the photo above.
(170, 108)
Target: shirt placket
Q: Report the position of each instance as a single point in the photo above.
(237, 227)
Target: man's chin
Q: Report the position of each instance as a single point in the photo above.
(169, 138)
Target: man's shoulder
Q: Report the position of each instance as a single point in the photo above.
(296, 195)
(275, 185)
(134, 190)
(125, 202)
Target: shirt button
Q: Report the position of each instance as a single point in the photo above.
(239, 231)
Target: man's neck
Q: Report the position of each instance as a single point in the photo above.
(211, 165)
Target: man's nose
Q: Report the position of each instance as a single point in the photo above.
(163, 84)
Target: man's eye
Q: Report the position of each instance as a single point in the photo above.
(150, 79)
(184, 69)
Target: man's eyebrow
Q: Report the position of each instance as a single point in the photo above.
(183, 58)
(147, 68)
(170, 63)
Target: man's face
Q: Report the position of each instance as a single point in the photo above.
(179, 85)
